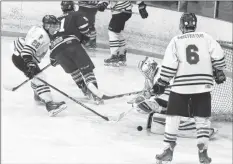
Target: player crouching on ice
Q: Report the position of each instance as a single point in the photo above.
(156, 104)
(28, 53)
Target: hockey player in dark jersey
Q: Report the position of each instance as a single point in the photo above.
(66, 50)
(28, 53)
(121, 13)
(89, 10)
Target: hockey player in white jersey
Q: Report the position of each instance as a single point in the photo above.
(121, 13)
(28, 53)
(194, 60)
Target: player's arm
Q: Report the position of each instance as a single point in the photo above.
(168, 68)
(218, 61)
(82, 24)
(28, 54)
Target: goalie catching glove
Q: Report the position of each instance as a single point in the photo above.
(219, 76)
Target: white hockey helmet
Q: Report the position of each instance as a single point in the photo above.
(148, 67)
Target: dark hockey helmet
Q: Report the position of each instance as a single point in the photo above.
(67, 6)
(50, 23)
(188, 22)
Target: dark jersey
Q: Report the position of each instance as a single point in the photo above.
(73, 23)
(73, 27)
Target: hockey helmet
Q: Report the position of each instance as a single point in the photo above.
(188, 22)
(67, 6)
(50, 23)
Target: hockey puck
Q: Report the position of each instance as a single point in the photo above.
(139, 128)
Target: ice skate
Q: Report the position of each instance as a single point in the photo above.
(55, 107)
(203, 156)
(93, 97)
(122, 59)
(112, 61)
(167, 155)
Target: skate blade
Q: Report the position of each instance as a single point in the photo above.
(163, 162)
(112, 64)
(122, 64)
(53, 113)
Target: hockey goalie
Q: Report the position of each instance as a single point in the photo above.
(155, 105)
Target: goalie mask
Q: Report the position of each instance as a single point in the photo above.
(67, 6)
(51, 24)
(188, 22)
(148, 67)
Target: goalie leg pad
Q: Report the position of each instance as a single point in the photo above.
(146, 105)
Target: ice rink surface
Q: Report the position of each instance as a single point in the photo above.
(78, 136)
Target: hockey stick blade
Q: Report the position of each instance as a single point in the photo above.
(10, 88)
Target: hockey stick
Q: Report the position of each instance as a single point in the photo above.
(78, 102)
(18, 86)
(122, 95)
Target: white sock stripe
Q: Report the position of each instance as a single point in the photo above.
(169, 134)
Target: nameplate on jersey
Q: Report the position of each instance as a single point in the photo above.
(61, 40)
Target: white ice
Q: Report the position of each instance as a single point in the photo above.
(78, 136)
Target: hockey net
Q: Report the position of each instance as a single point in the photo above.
(222, 93)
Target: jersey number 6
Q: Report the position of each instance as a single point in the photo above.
(191, 54)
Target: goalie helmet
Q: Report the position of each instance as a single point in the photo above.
(188, 22)
(148, 67)
(67, 6)
(50, 24)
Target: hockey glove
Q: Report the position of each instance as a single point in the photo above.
(142, 10)
(53, 62)
(32, 68)
(159, 86)
(102, 6)
(219, 76)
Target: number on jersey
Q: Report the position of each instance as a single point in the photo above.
(191, 54)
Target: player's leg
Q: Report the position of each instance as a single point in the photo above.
(85, 77)
(177, 107)
(202, 111)
(114, 30)
(42, 94)
(122, 42)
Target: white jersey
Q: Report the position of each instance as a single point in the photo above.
(118, 6)
(36, 44)
(189, 59)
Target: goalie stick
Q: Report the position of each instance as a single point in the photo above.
(122, 95)
(10, 88)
